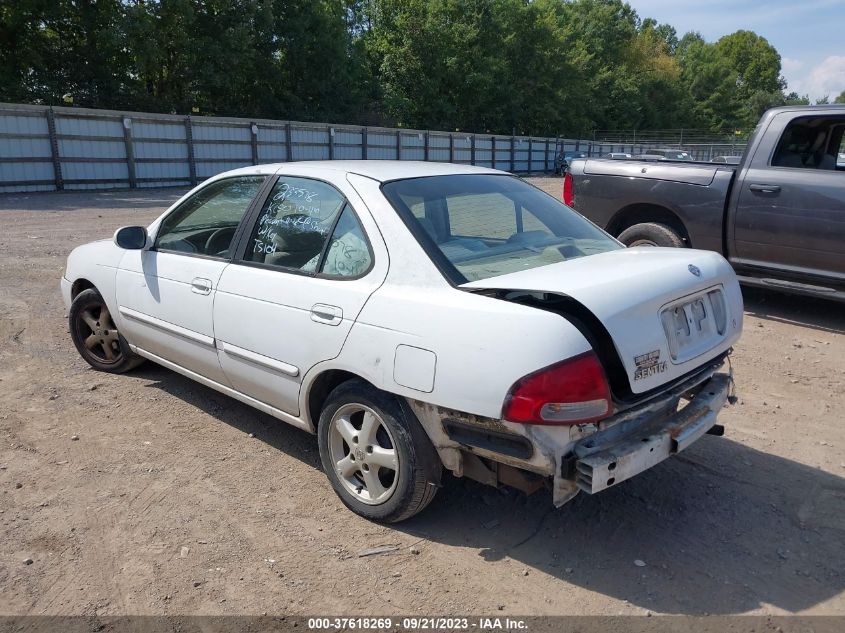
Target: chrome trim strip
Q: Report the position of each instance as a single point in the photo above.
(171, 328)
(258, 359)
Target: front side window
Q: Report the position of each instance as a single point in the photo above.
(810, 143)
(479, 226)
(306, 225)
(205, 223)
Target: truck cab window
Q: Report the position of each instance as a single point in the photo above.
(810, 143)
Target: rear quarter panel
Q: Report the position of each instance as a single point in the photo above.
(481, 345)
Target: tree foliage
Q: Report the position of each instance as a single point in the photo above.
(533, 66)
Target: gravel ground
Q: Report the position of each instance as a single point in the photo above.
(150, 494)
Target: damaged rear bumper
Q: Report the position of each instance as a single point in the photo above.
(609, 457)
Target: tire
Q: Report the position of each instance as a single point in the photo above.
(651, 234)
(95, 336)
(363, 433)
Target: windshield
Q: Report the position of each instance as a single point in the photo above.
(476, 226)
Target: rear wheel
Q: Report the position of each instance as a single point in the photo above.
(96, 337)
(376, 455)
(651, 234)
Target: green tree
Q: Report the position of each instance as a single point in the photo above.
(756, 67)
(733, 81)
(793, 98)
(534, 66)
(49, 48)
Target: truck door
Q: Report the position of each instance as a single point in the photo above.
(790, 203)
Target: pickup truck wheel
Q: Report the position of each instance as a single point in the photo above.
(651, 234)
(376, 455)
(96, 337)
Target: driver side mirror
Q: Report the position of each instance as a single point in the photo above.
(131, 237)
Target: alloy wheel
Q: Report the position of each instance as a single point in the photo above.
(364, 453)
(99, 334)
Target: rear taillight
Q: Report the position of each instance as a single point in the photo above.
(568, 196)
(572, 392)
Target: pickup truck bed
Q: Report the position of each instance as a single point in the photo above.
(692, 196)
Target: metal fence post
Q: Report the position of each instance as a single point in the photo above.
(288, 142)
(451, 148)
(253, 137)
(364, 143)
(425, 148)
(330, 131)
(398, 144)
(130, 152)
(493, 152)
(189, 138)
(530, 154)
(513, 153)
(546, 154)
(472, 150)
(54, 150)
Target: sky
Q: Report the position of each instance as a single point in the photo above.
(808, 34)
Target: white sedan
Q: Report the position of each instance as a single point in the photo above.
(416, 317)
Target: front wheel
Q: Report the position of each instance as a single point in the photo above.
(376, 455)
(96, 337)
(651, 234)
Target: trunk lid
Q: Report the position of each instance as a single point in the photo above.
(667, 310)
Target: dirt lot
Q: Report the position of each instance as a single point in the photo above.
(167, 504)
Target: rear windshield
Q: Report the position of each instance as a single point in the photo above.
(479, 226)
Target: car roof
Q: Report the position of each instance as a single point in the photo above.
(381, 170)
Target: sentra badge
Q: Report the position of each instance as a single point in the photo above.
(648, 365)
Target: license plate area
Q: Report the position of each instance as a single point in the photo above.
(694, 325)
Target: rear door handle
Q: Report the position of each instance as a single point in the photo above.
(201, 285)
(323, 313)
(765, 188)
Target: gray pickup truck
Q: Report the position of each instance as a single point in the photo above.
(778, 216)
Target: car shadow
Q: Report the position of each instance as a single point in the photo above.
(721, 529)
(819, 314)
(273, 432)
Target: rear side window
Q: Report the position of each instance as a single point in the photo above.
(348, 253)
(306, 225)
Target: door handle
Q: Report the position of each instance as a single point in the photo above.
(765, 188)
(201, 285)
(323, 313)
